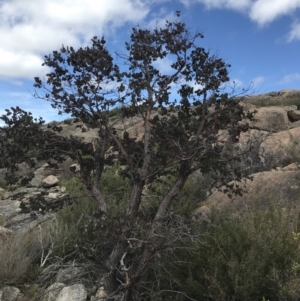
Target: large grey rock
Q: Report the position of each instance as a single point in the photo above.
(10, 213)
(75, 292)
(9, 208)
(53, 291)
(252, 139)
(9, 293)
(27, 221)
(272, 119)
(282, 147)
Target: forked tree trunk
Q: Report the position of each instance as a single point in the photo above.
(135, 200)
(155, 242)
(110, 282)
(99, 199)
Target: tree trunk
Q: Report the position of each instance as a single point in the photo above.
(183, 175)
(155, 242)
(99, 198)
(110, 280)
(135, 200)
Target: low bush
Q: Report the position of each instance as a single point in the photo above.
(238, 257)
(78, 227)
(275, 101)
(68, 121)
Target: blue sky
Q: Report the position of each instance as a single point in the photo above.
(259, 38)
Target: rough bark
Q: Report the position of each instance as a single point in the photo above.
(135, 200)
(99, 198)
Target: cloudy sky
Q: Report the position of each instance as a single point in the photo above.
(259, 38)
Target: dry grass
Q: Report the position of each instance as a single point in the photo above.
(268, 101)
(17, 253)
(21, 252)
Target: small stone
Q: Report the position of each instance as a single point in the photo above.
(74, 168)
(76, 292)
(36, 182)
(53, 291)
(50, 181)
(53, 195)
(63, 189)
(10, 293)
(101, 293)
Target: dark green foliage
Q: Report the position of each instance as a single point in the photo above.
(180, 137)
(116, 190)
(68, 121)
(239, 257)
(87, 232)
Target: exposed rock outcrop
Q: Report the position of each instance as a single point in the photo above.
(279, 186)
(23, 197)
(271, 119)
(293, 115)
(282, 148)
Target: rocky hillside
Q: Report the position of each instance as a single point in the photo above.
(274, 135)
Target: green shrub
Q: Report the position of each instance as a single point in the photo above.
(78, 226)
(239, 257)
(194, 191)
(72, 217)
(68, 121)
(116, 112)
(116, 190)
(275, 101)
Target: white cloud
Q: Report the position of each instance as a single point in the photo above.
(230, 4)
(260, 11)
(294, 33)
(257, 81)
(159, 21)
(164, 65)
(266, 11)
(290, 78)
(30, 29)
(20, 65)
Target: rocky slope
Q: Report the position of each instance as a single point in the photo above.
(275, 135)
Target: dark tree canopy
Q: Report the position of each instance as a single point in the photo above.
(181, 133)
